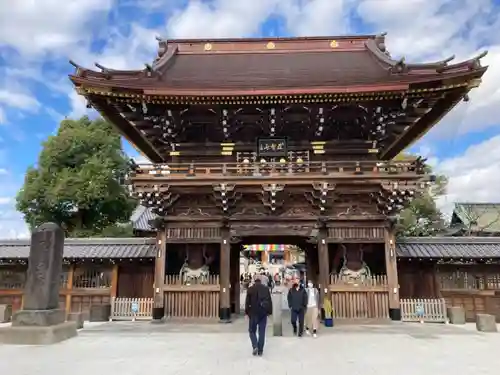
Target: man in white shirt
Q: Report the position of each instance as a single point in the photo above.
(312, 312)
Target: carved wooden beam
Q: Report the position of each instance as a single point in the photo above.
(226, 197)
(157, 197)
(272, 196)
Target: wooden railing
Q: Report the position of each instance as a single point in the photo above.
(176, 280)
(424, 310)
(132, 308)
(461, 280)
(374, 282)
(280, 167)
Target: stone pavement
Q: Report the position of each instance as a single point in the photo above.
(140, 348)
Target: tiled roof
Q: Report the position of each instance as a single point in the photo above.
(111, 248)
(140, 219)
(477, 217)
(449, 247)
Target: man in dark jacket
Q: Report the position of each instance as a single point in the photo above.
(297, 302)
(258, 306)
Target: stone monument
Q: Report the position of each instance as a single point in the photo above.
(41, 322)
(277, 297)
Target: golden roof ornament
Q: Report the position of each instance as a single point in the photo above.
(270, 45)
(334, 44)
(208, 47)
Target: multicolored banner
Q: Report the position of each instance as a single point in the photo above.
(268, 247)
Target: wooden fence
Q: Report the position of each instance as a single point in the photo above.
(192, 304)
(199, 300)
(132, 308)
(360, 305)
(424, 310)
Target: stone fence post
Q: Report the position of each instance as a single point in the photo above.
(277, 297)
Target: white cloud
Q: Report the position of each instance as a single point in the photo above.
(3, 116)
(220, 19)
(430, 31)
(473, 176)
(5, 200)
(19, 100)
(317, 17)
(47, 26)
(3, 172)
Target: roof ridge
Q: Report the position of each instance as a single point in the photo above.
(89, 241)
(450, 240)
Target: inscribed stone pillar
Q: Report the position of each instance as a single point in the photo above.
(392, 275)
(44, 268)
(41, 322)
(225, 264)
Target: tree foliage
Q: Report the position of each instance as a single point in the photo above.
(78, 180)
(422, 217)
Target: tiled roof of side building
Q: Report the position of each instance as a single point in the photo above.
(141, 217)
(81, 248)
(449, 247)
(477, 217)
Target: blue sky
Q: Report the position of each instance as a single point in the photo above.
(37, 38)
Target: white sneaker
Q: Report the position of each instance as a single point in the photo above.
(315, 335)
(307, 332)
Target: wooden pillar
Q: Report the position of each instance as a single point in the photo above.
(235, 280)
(323, 261)
(286, 255)
(437, 284)
(392, 275)
(69, 288)
(225, 265)
(264, 257)
(159, 282)
(114, 281)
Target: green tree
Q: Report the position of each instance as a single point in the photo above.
(78, 180)
(422, 218)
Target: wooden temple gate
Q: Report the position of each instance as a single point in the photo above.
(290, 135)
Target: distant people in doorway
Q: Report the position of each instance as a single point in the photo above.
(297, 302)
(312, 312)
(302, 279)
(258, 306)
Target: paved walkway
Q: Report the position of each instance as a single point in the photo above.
(143, 348)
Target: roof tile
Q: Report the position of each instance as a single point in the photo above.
(449, 247)
(110, 248)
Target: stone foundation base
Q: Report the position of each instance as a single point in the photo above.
(456, 314)
(5, 313)
(76, 317)
(38, 318)
(100, 313)
(37, 335)
(225, 315)
(486, 323)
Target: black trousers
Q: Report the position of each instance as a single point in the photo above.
(298, 315)
(257, 331)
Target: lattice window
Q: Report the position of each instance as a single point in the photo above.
(63, 281)
(12, 278)
(92, 277)
(469, 280)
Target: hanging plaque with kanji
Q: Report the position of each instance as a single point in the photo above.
(272, 147)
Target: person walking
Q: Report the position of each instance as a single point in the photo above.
(297, 302)
(312, 311)
(258, 306)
